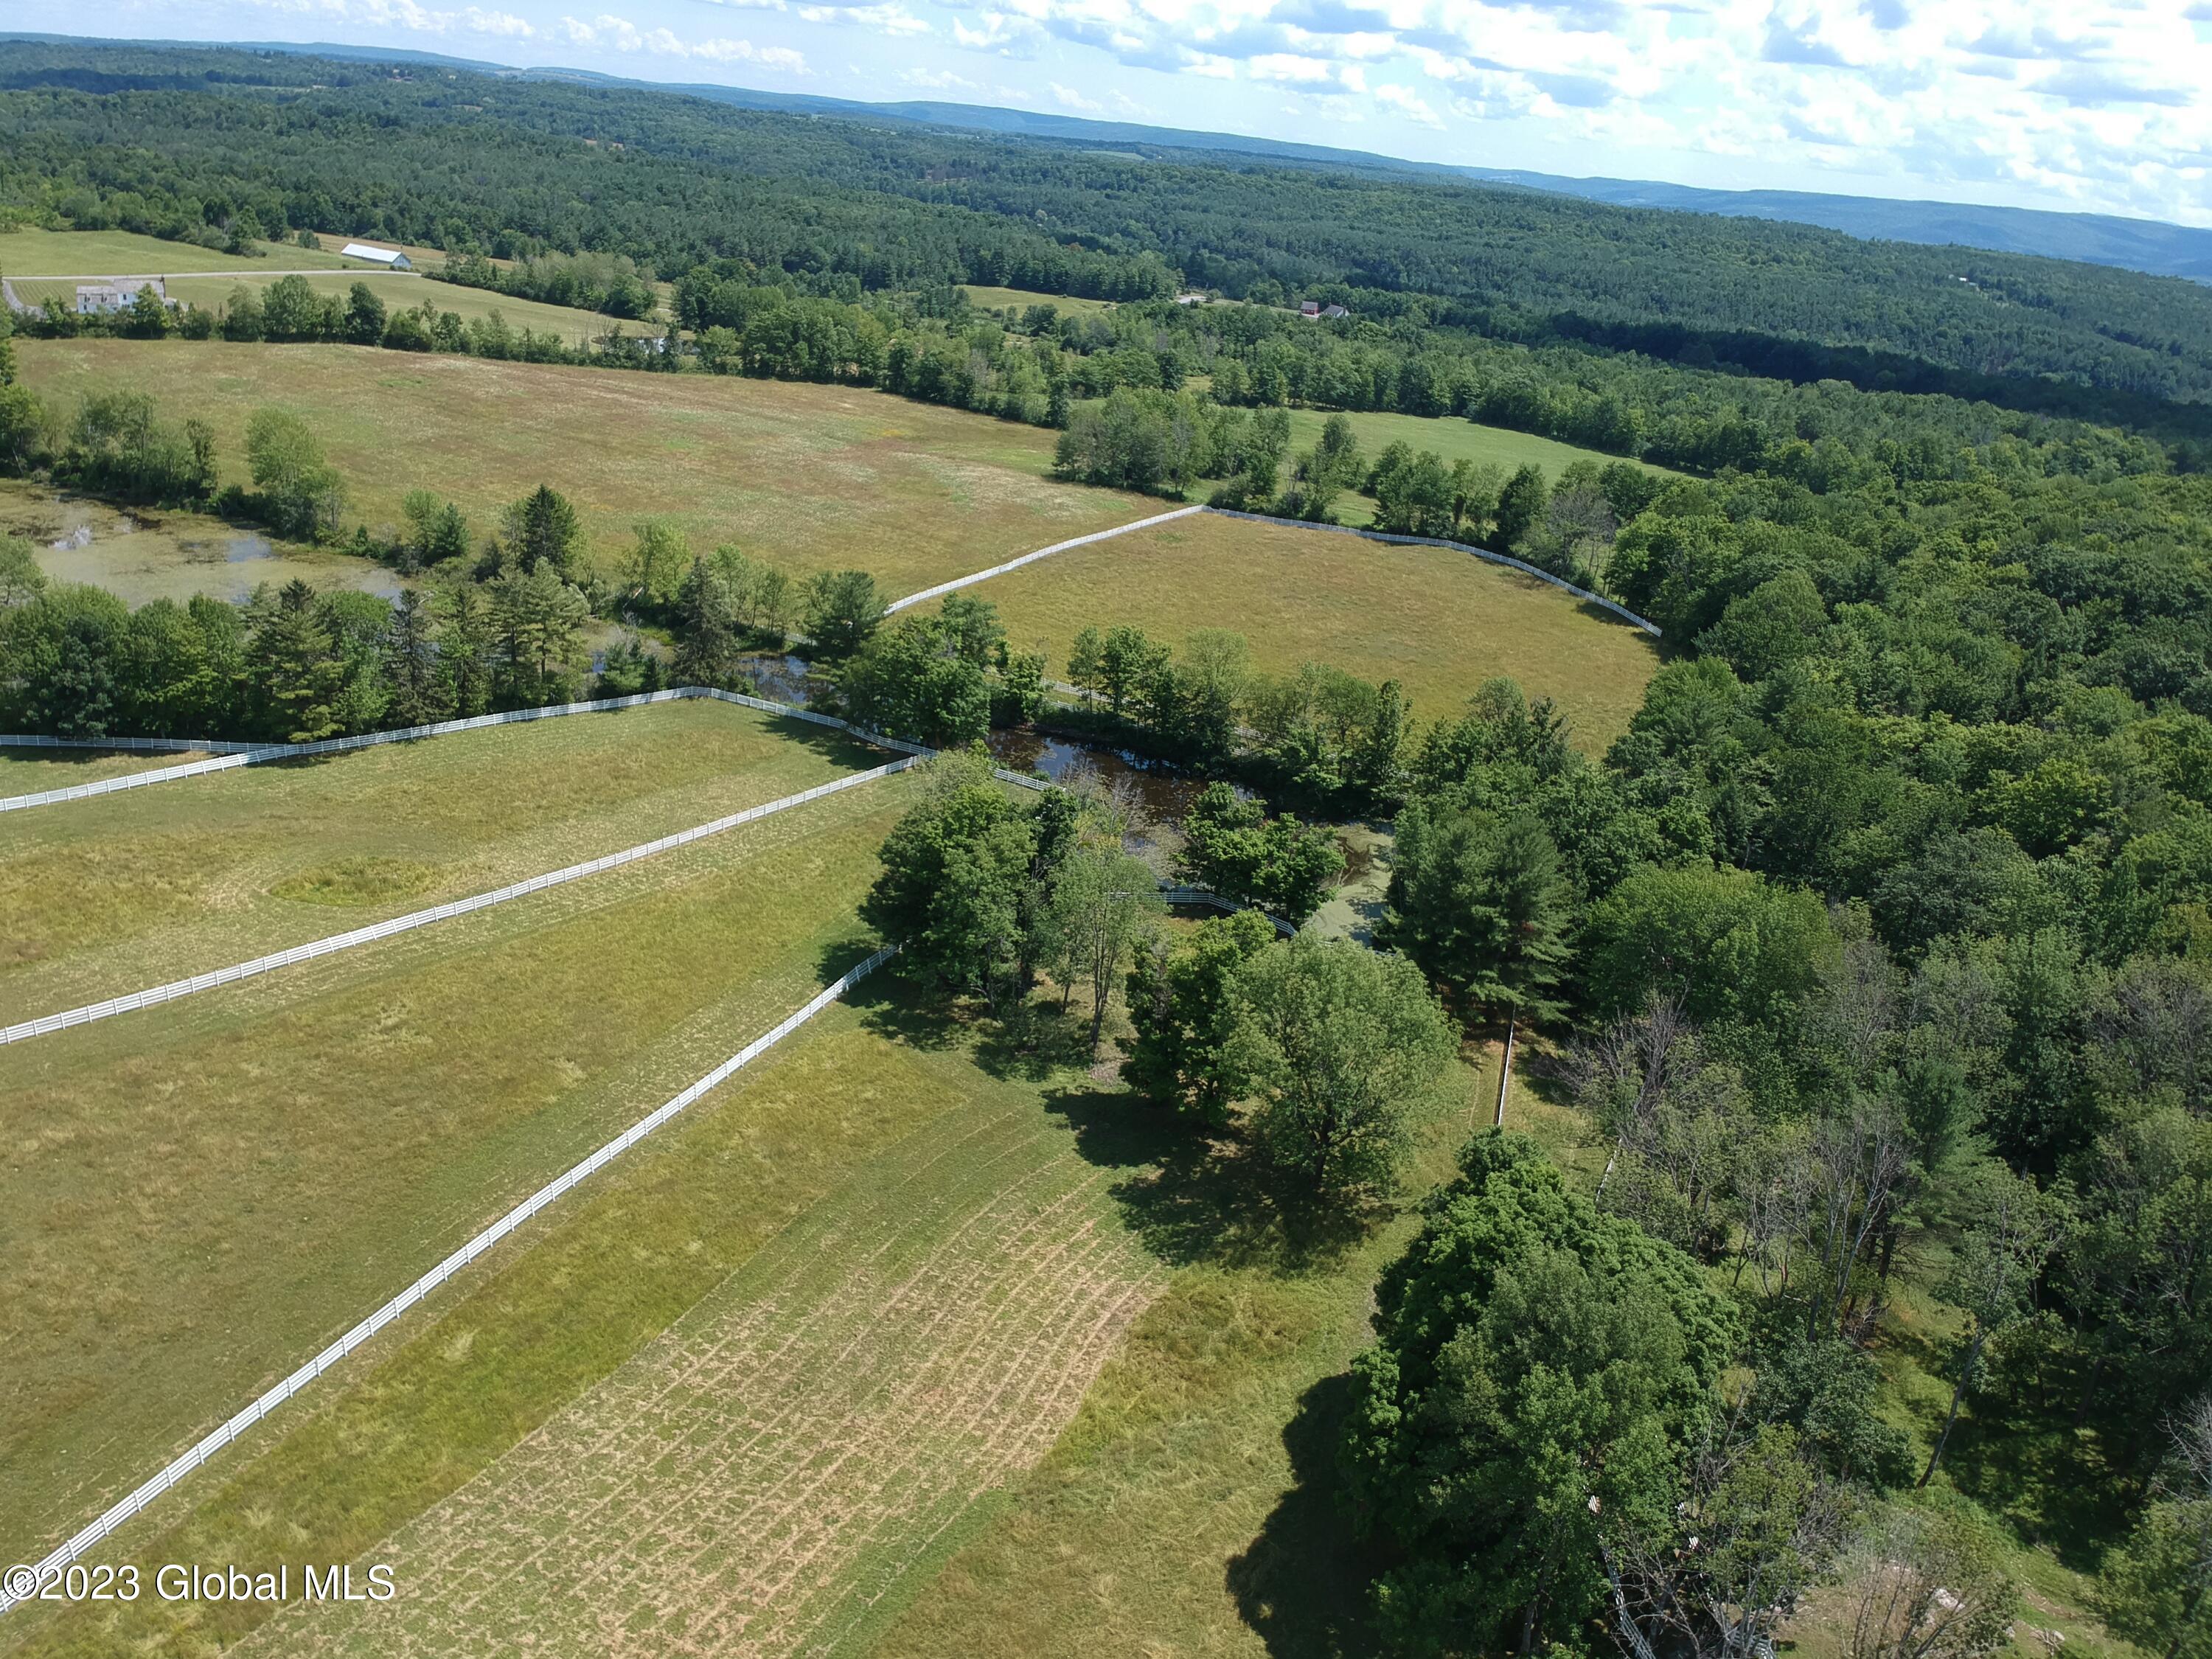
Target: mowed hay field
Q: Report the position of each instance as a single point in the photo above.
(1440, 622)
(29, 771)
(29, 253)
(200, 1196)
(742, 1394)
(813, 477)
(109, 895)
(400, 290)
(1455, 439)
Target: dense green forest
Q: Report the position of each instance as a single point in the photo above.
(1875, 958)
(512, 167)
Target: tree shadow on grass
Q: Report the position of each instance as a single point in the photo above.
(2052, 1484)
(1040, 1043)
(891, 1004)
(1189, 1199)
(1301, 1585)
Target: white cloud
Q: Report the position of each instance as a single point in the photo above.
(939, 81)
(1068, 98)
(421, 20)
(2095, 101)
(1408, 103)
(621, 34)
(893, 20)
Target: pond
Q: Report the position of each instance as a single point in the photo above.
(1159, 792)
(780, 677)
(1154, 793)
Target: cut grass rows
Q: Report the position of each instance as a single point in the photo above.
(107, 896)
(194, 1199)
(869, 1150)
(761, 1476)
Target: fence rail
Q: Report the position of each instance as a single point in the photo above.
(1483, 553)
(958, 582)
(146, 1493)
(1171, 894)
(382, 930)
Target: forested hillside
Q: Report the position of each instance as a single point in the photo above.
(673, 181)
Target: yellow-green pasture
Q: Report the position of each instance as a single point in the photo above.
(112, 893)
(198, 1196)
(1438, 622)
(813, 477)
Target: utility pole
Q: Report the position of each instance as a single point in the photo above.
(1505, 1074)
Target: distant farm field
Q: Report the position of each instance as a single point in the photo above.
(159, 553)
(1454, 440)
(1439, 622)
(121, 253)
(201, 1194)
(811, 477)
(400, 290)
(987, 298)
(1450, 438)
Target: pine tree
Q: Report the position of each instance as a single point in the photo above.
(295, 668)
(411, 663)
(1479, 902)
(464, 650)
(707, 654)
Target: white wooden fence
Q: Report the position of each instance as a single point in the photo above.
(11, 1593)
(382, 930)
(1171, 894)
(1484, 553)
(958, 582)
(254, 754)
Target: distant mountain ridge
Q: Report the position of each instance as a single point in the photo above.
(2149, 246)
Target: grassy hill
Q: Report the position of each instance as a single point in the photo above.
(1438, 622)
(813, 477)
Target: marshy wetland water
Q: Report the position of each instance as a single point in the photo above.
(141, 554)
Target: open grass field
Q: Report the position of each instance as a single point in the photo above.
(802, 1338)
(1190, 1509)
(811, 477)
(155, 553)
(987, 298)
(108, 895)
(198, 1196)
(30, 253)
(1440, 622)
(400, 290)
(800, 1446)
(1454, 440)
(30, 771)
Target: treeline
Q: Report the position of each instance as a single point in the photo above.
(1876, 954)
(291, 311)
(608, 283)
(669, 181)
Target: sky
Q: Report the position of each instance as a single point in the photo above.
(2103, 107)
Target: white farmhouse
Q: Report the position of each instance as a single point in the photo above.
(106, 299)
(391, 257)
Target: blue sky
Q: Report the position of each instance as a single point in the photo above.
(2035, 103)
